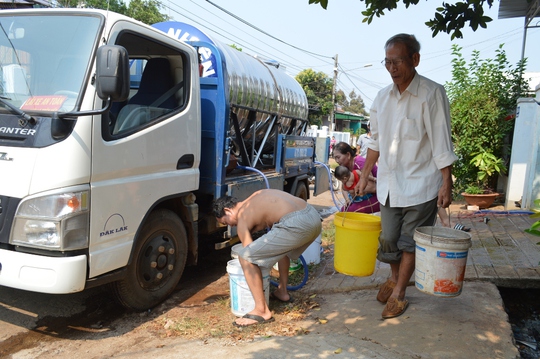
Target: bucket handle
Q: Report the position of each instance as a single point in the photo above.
(357, 211)
(435, 221)
(345, 213)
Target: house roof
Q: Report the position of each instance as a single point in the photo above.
(9, 4)
(348, 116)
(519, 8)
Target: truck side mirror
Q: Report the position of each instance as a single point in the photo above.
(112, 73)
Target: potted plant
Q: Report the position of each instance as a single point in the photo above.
(489, 166)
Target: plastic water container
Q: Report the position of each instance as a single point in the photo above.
(356, 244)
(235, 249)
(312, 254)
(241, 299)
(441, 259)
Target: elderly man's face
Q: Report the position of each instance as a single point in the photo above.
(400, 65)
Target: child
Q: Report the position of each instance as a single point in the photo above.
(349, 180)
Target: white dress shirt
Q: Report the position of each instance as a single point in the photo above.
(362, 142)
(411, 132)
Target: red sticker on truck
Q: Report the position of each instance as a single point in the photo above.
(44, 103)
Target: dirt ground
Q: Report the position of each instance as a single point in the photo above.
(208, 315)
(198, 317)
(106, 330)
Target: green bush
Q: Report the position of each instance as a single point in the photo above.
(482, 95)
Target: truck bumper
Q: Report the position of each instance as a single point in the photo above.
(55, 275)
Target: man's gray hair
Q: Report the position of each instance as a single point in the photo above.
(409, 40)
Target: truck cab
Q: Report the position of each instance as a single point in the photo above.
(79, 184)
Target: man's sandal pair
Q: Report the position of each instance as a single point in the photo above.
(394, 307)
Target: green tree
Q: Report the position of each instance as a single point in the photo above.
(483, 96)
(318, 88)
(147, 11)
(113, 5)
(449, 18)
(343, 101)
(236, 47)
(356, 104)
(352, 103)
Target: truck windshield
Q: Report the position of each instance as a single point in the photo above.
(44, 60)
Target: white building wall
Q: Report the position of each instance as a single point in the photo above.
(524, 169)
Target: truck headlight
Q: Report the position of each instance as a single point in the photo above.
(54, 222)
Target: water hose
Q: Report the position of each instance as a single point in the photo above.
(495, 213)
(336, 203)
(492, 211)
(304, 265)
(246, 168)
(304, 280)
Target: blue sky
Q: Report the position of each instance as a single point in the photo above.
(307, 36)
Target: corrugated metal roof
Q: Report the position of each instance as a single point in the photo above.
(515, 8)
(15, 3)
(348, 116)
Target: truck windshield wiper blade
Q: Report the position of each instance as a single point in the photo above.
(15, 109)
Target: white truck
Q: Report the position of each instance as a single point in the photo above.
(115, 138)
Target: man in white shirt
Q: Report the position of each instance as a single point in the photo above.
(411, 140)
(363, 141)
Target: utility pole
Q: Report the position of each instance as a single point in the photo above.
(332, 112)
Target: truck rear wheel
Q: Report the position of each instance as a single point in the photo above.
(301, 190)
(158, 260)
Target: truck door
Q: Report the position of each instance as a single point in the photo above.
(145, 149)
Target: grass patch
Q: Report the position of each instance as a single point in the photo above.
(332, 163)
(295, 276)
(214, 320)
(186, 326)
(328, 234)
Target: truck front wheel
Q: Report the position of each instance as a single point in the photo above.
(158, 260)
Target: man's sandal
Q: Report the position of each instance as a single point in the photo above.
(394, 308)
(386, 291)
(461, 227)
(257, 318)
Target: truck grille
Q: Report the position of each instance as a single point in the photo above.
(8, 206)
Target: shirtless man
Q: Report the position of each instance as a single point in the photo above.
(293, 225)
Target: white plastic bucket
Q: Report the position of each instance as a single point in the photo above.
(441, 259)
(295, 265)
(241, 299)
(312, 254)
(235, 249)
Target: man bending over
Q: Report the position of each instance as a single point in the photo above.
(293, 225)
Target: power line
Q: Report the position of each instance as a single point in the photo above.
(356, 87)
(219, 32)
(265, 33)
(233, 39)
(445, 53)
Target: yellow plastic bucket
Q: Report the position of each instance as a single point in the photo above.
(356, 243)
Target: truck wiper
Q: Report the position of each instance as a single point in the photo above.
(16, 110)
